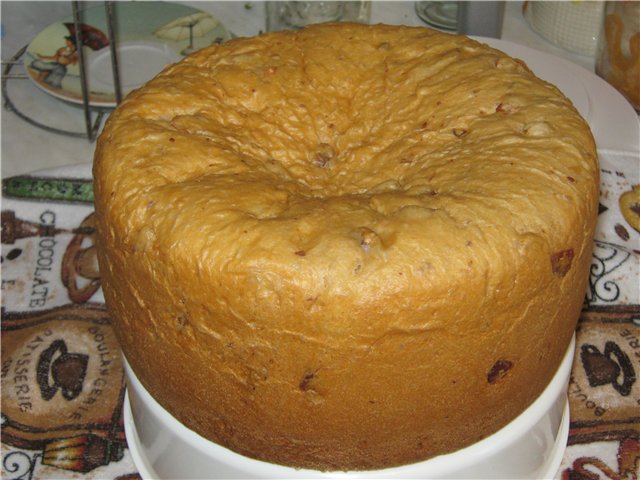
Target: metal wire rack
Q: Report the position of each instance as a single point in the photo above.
(91, 124)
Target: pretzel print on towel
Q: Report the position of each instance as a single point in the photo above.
(48, 252)
(615, 267)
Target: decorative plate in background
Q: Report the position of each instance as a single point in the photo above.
(149, 36)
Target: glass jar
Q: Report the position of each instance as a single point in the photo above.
(297, 14)
(618, 60)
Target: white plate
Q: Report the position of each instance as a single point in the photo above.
(149, 36)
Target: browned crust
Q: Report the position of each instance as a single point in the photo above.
(346, 247)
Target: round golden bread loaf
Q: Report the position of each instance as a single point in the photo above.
(348, 246)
